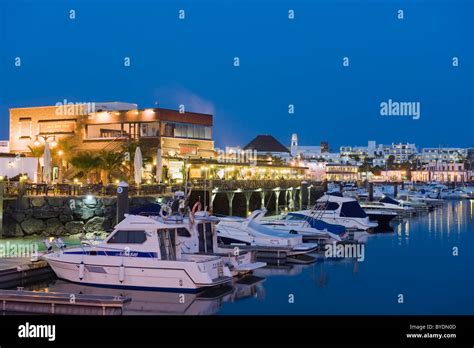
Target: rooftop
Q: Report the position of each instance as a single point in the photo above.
(266, 143)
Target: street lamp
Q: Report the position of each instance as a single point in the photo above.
(45, 138)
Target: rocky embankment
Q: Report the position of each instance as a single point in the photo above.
(62, 216)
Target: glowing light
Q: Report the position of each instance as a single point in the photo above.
(89, 197)
(148, 112)
(76, 180)
(60, 152)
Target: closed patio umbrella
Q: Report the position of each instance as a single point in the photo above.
(138, 164)
(46, 164)
(159, 166)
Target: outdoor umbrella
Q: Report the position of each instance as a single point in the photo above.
(138, 164)
(159, 165)
(46, 164)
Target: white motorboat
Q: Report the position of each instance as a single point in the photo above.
(338, 210)
(140, 253)
(235, 231)
(309, 227)
(391, 205)
(199, 236)
(458, 193)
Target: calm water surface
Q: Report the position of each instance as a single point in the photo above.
(416, 260)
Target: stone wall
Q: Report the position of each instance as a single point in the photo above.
(60, 216)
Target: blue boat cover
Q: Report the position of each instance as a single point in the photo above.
(390, 200)
(319, 224)
(147, 209)
(336, 194)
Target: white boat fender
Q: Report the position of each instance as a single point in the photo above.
(166, 208)
(81, 270)
(121, 273)
(48, 245)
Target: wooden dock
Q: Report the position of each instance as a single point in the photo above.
(14, 272)
(14, 301)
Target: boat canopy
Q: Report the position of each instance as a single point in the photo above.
(320, 224)
(352, 209)
(390, 200)
(336, 194)
(270, 232)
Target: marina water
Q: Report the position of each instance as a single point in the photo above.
(425, 266)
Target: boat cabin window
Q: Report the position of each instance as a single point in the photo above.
(327, 205)
(167, 243)
(352, 209)
(128, 237)
(183, 232)
(205, 237)
(294, 217)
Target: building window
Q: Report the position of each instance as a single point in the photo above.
(151, 129)
(57, 127)
(184, 130)
(98, 131)
(25, 127)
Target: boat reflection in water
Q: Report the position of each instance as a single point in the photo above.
(206, 302)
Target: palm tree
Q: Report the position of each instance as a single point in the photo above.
(87, 162)
(111, 163)
(62, 153)
(37, 151)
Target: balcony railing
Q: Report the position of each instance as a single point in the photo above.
(243, 184)
(14, 189)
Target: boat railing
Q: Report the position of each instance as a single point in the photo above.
(125, 251)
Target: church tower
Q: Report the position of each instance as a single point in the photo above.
(294, 145)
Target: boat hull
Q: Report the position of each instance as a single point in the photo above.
(134, 276)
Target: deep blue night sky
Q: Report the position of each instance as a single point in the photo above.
(282, 62)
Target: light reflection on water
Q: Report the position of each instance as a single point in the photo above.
(416, 260)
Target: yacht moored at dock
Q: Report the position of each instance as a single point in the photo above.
(309, 227)
(391, 205)
(335, 209)
(249, 234)
(140, 253)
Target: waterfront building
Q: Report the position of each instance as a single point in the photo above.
(393, 175)
(15, 166)
(111, 126)
(4, 146)
(267, 147)
(444, 172)
(379, 161)
(341, 172)
(180, 133)
(450, 154)
(313, 153)
(402, 152)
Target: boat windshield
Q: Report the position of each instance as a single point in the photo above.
(327, 205)
(127, 237)
(352, 209)
(389, 200)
